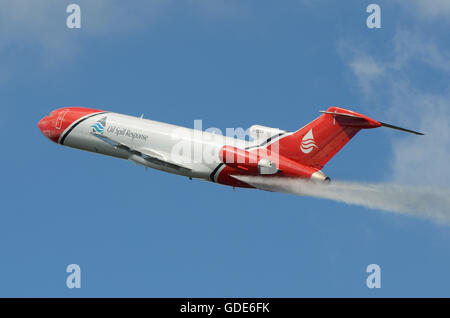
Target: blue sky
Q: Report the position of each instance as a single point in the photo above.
(231, 64)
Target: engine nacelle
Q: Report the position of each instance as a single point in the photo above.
(265, 163)
(247, 161)
(258, 132)
(265, 166)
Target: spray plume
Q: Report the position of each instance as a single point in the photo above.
(422, 201)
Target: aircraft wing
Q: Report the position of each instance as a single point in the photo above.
(144, 155)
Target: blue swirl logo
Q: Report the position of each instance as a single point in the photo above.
(99, 126)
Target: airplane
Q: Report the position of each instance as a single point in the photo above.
(271, 152)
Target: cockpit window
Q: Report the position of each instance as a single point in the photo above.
(50, 115)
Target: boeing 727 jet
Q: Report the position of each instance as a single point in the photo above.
(199, 154)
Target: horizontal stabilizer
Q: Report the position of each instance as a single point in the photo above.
(358, 118)
(339, 114)
(400, 128)
(352, 119)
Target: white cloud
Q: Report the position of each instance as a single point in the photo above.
(425, 159)
(406, 100)
(40, 26)
(367, 70)
(428, 9)
(412, 46)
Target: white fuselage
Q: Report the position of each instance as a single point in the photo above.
(143, 134)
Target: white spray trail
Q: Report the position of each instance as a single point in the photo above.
(423, 201)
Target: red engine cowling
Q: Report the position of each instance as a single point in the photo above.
(249, 162)
(267, 163)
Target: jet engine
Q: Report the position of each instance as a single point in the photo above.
(247, 161)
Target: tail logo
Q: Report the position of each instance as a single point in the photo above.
(99, 126)
(308, 143)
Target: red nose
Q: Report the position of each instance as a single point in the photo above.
(56, 124)
(41, 125)
(47, 127)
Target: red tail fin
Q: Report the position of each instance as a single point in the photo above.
(316, 143)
